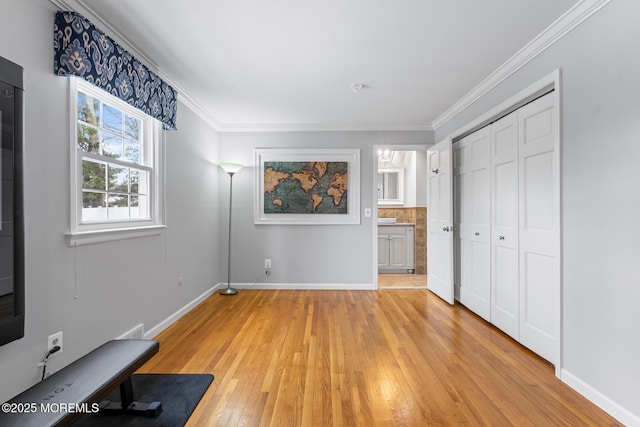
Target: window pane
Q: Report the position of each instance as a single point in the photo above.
(135, 178)
(112, 145)
(139, 207)
(94, 206)
(139, 181)
(112, 118)
(88, 139)
(118, 179)
(118, 206)
(132, 151)
(93, 175)
(132, 128)
(88, 109)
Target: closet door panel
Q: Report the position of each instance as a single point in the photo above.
(505, 305)
(504, 292)
(459, 188)
(475, 290)
(539, 226)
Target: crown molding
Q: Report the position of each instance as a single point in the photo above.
(320, 127)
(558, 29)
(562, 26)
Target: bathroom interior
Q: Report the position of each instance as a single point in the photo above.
(402, 218)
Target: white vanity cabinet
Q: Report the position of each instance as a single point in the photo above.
(395, 248)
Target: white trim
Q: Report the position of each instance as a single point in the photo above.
(319, 127)
(82, 238)
(547, 83)
(558, 29)
(156, 330)
(620, 413)
(303, 286)
(352, 156)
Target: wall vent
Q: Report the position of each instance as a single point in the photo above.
(136, 333)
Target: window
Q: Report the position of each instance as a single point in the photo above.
(115, 168)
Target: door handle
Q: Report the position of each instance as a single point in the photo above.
(476, 233)
(434, 170)
(501, 237)
(445, 229)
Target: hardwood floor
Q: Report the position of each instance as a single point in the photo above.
(361, 358)
(402, 281)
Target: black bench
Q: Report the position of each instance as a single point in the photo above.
(78, 388)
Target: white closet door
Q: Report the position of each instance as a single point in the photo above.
(475, 284)
(539, 227)
(440, 221)
(504, 225)
(460, 184)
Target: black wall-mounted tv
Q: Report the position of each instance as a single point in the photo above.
(11, 203)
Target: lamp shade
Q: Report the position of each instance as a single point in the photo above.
(231, 167)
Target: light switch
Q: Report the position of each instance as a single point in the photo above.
(367, 212)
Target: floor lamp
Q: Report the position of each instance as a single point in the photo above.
(231, 169)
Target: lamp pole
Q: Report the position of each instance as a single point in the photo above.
(231, 169)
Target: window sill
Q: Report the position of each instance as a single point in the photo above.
(81, 238)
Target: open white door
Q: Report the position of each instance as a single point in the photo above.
(440, 221)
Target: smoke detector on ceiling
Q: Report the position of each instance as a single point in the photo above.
(357, 87)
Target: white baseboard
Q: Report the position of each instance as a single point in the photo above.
(605, 403)
(303, 286)
(153, 332)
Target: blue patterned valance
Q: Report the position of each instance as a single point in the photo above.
(83, 50)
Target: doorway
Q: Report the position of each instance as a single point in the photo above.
(400, 233)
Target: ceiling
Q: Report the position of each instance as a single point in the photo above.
(263, 64)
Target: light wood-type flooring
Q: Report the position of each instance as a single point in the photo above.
(361, 358)
(402, 281)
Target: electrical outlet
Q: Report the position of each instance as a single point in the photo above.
(267, 266)
(55, 340)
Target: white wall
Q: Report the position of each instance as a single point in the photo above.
(421, 178)
(117, 284)
(301, 255)
(410, 178)
(600, 177)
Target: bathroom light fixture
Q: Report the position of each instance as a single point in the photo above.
(231, 169)
(385, 157)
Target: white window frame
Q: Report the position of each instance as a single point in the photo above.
(153, 151)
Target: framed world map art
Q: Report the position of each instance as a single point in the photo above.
(307, 186)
